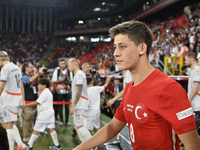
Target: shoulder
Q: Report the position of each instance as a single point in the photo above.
(80, 73)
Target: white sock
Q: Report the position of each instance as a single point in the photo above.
(83, 134)
(54, 137)
(11, 141)
(32, 140)
(17, 135)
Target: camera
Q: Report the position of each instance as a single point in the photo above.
(40, 66)
(92, 71)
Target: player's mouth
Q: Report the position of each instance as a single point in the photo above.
(119, 61)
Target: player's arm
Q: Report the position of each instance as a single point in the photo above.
(107, 82)
(32, 104)
(77, 97)
(2, 85)
(105, 134)
(194, 90)
(190, 140)
(23, 94)
(34, 78)
(110, 102)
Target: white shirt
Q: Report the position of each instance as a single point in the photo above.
(55, 75)
(194, 77)
(127, 78)
(11, 95)
(94, 102)
(80, 79)
(174, 51)
(45, 107)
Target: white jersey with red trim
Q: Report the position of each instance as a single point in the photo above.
(80, 79)
(194, 77)
(11, 95)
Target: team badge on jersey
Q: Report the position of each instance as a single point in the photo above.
(141, 113)
(184, 114)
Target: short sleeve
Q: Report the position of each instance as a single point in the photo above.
(100, 88)
(25, 79)
(175, 108)
(42, 97)
(80, 80)
(120, 111)
(196, 76)
(4, 74)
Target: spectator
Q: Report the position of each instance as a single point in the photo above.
(29, 82)
(62, 80)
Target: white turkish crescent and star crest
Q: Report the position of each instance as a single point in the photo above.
(141, 113)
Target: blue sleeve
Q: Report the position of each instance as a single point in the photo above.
(25, 79)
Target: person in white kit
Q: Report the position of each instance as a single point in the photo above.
(80, 101)
(127, 79)
(193, 82)
(45, 117)
(12, 98)
(94, 112)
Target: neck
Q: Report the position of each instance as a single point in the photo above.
(90, 85)
(194, 65)
(141, 72)
(27, 73)
(76, 70)
(5, 62)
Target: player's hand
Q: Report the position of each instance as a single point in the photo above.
(108, 79)
(110, 102)
(63, 78)
(23, 105)
(33, 112)
(41, 70)
(71, 111)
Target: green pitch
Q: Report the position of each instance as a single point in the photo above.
(64, 137)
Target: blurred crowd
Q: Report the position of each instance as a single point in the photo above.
(29, 47)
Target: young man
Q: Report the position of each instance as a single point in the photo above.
(80, 101)
(154, 106)
(12, 91)
(193, 82)
(93, 122)
(62, 80)
(45, 118)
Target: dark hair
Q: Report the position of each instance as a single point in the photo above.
(184, 67)
(62, 60)
(26, 64)
(89, 80)
(3, 139)
(137, 31)
(192, 55)
(44, 81)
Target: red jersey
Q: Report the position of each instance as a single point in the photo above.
(155, 110)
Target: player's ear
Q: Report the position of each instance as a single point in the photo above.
(142, 48)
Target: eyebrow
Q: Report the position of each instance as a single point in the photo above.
(118, 44)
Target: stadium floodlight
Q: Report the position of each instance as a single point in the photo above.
(147, 3)
(81, 38)
(99, 18)
(94, 39)
(103, 3)
(119, 16)
(97, 9)
(80, 22)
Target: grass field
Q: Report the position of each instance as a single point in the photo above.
(64, 137)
